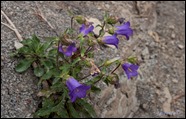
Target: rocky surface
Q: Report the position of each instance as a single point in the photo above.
(158, 42)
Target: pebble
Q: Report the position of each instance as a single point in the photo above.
(175, 81)
(180, 46)
(145, 106)
(171, 26)
(173, 35)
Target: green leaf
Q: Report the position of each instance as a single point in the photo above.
(25, 50)
(72, 111)
(35, 43)
(44, 47)
(23, 65)
(83, 113)
(35, 38)
(65, 68)
(52, 38)
(27, 42)
(106, 15)
(47, 75)
(60, 108)
(46, 109)
(45, 93)
(38, 71)
(87, 107)
(95, 89)
(58, 87)
(83, 52)
(56, 80)
(52, 52)
(75, 61)
(47, 63)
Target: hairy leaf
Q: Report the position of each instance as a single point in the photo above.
(38, 71)
(23, 65)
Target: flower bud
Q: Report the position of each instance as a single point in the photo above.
(80, 19)
(111, 30)
(109, 62)
(132, 60)
(111, 20)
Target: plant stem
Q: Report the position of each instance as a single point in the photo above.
(71, 23)
(115, 68)
(99, 79)
(101, 29)
(85, 77)
(57, 57)
(88, 49)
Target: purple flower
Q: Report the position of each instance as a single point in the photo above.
(111, 40)
(76, 89)
(130, 69)
(124, 30)
(85, 29)
(69, 50)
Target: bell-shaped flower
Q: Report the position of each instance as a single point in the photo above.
(124, 29)
(111, 40)
(76, 89)
(68, 51)
(86, 29)
(130, 69)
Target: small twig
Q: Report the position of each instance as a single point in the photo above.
(115, 68)
(102, 29)
(177, 97)
(57, 57)
(11, 26)
(85, 77)
(99, 79)
(88, 49)
(40, 14)
(7, 26)
(71, 22)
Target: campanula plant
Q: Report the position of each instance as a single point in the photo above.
(58, 62)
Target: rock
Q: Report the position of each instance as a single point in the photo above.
(173, 35)
(180, 46)
(95, 23)
(175, 81)
(171, 27)
(144, 106)
(17, 44)
(154, 35)
(145, 53)
(167, 103)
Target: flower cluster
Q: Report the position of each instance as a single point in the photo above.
(78, 90)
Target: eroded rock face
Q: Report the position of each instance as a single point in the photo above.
(117, 103)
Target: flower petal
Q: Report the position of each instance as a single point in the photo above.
(111, 40)
(72, 83)
(82, 28)
(60, 48)
(72, 97)
(86, 29)
(130, 69)
(134, 67)
(124, 26)
(81, 91)
(124, 30)
(71, 48)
